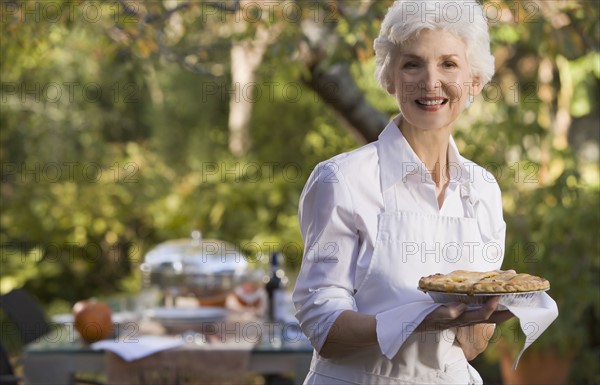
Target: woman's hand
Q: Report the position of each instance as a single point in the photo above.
(474, 339)
(474, 327)
(455, 315)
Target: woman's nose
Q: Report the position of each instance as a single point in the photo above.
(430, 80)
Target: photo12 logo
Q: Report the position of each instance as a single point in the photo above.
(455, 12)
(41, 11)
(69, 252)
(251, 172)
(255, 11)
(56, 172)
(70, 92)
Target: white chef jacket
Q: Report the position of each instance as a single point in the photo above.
(339, 210)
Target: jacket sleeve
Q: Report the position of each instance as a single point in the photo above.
(325, 284)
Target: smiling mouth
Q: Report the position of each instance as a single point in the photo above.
(431, 102)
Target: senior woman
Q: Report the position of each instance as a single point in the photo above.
(376, 219)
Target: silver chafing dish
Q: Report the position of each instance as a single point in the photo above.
(205, 268)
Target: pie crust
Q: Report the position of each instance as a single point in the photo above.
(474, 282)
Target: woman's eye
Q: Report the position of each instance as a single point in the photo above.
(410, 64)
(449, 64)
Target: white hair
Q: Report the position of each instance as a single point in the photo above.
(406, 18)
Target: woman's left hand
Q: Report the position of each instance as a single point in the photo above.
(474, 327)
(473, 339)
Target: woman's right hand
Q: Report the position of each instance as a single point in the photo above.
(456, 315)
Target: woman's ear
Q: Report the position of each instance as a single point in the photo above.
(476, 86)
(391, 88)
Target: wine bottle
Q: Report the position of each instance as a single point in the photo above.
(275, 288)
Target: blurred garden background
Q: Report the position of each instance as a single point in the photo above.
(128, 123)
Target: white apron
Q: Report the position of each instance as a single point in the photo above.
(401, 256)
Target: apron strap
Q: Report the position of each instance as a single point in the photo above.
(390, 200)
(470, 200)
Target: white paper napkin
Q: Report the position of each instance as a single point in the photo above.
(138, 347)
(534, 320)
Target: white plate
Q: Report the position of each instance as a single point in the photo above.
(122, 317)
(65, 318)
(187, 315)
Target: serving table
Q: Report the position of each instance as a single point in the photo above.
(265, 348)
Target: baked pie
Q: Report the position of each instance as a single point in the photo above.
(489, 282)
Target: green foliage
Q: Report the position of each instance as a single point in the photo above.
(550, 192)
(549, 239)
(130, 151)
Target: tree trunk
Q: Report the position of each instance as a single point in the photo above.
(246, 56)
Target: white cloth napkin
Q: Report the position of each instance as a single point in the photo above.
(406, 317)
(138, 347)
(534, 320)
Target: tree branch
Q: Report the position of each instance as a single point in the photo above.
(151, 18)
(337, 88)
(221, 6)
(171, 55)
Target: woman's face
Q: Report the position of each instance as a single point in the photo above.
(432, 80)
